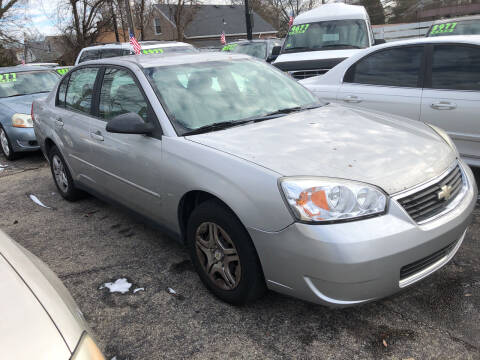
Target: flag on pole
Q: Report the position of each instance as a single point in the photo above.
(290, 22)
(222, 38)
(136, 46)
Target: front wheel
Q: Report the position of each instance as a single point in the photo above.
(223, 254)
(6, 145)
(62, 177)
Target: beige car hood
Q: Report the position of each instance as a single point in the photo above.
(26, 330)
(333, 141)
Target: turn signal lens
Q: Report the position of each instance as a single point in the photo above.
(327, 200)
(22, 121)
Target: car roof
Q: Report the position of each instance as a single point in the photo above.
(21, 68)
(169, 59)
(333, 11)
(457, 19)
(144, 44)
(467, 39)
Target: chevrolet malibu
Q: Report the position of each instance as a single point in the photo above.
(40, 320)
(267, 186)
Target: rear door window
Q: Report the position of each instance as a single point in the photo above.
(89, 55)
(392, 67)
(80, 90)
(456, 67)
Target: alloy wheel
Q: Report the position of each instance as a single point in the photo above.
(59, 173)
(218, 255)
(4, 142)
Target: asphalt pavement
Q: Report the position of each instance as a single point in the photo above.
(89, 243)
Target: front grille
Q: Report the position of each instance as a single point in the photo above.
(304, 74)
(428, 201)
(421, 264)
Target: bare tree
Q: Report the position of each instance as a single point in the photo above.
(10, 29)
(183, 12)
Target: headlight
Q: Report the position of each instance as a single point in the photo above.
(326, 200)
(22, 121)
(87, 350)
(444, 136)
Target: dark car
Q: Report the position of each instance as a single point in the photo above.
(261, 49)
(19, 86)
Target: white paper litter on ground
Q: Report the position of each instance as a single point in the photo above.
(120, 285)
(38, 202)
(171, 291)
(138, 289)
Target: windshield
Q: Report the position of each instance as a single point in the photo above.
(468, 27)
(200, 94)
(167, 49)
(258, 50)
(25, 83)
(327, 35)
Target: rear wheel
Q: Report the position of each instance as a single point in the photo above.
(223, 254)
(6, 145)
(62, 177)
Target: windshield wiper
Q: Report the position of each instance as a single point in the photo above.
(300, 48)
(282, 112)
(213, 127)
(341, 45)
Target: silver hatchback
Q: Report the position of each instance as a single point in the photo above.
(267, 186)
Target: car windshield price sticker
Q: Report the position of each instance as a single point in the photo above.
(443, 28)
(152, 51)
(62, 71)
(8, 77)
(229, 47)
(298, 29)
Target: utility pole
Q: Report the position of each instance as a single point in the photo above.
(129, 18)
(248, 21)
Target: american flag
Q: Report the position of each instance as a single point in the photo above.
(222, 38)
(290, 22)
(136, 46)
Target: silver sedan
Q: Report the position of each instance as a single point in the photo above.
(40, 320)
(266, 186)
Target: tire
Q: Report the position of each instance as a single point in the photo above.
(6, 145)
(235, 274)
(62, 177)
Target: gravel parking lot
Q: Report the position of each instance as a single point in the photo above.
(89, 242)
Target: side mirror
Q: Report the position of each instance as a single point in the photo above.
(276, 51)
(379, 41)
(129, 123)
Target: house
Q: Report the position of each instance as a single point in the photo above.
(51, 49)
(203, 24)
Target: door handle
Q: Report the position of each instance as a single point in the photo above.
(59, 123)
(443, 105)
(352, 99)
(97, 135)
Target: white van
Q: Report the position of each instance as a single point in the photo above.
(121, 49)
(321, 38)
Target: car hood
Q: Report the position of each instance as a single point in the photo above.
(26, 330)
(316, 55)
(333, 141)
(21, 104)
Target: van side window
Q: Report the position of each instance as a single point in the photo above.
(456, 67)
(80, 90)
(392, 67)
(89, 55)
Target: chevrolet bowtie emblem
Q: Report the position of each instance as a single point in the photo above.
(446, 192)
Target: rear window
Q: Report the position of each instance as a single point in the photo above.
(108, 53)
(168, 49)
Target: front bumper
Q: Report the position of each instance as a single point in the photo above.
(22, 139)
(355, 262)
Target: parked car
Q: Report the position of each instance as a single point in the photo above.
(434, 80)
(40, 320)
(468, 25)
(104, 51)
(323, 37)
(267, 188)
(18, 87)
(261, 48)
